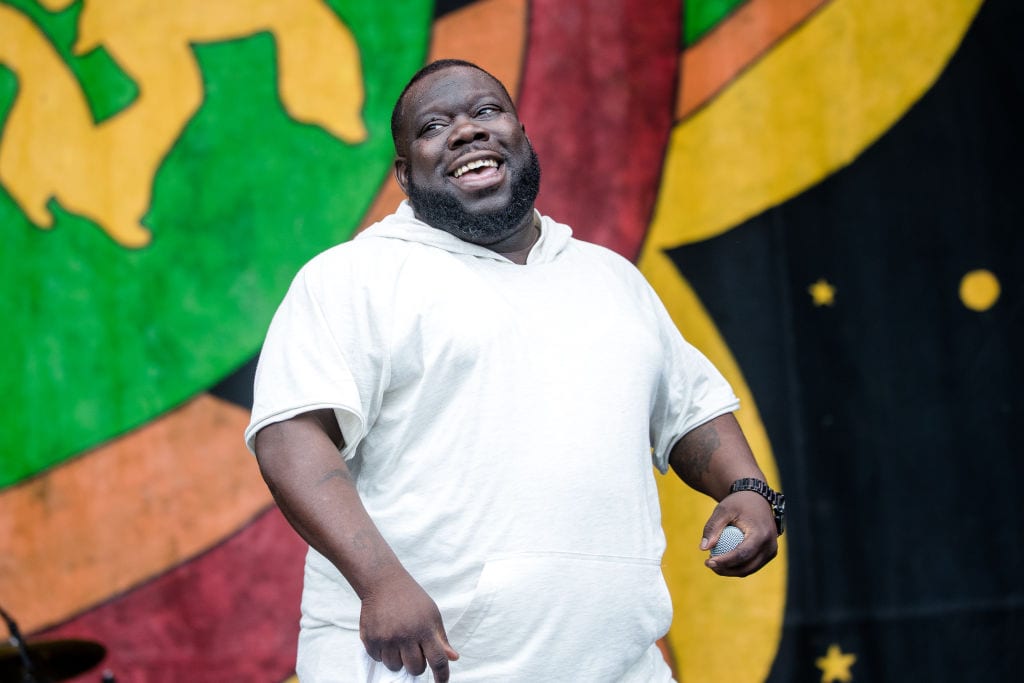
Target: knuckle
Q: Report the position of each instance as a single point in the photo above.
(743, 555)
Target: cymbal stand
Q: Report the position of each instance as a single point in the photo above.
(28, 667)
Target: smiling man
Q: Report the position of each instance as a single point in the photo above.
(481, 189)
(459, 410)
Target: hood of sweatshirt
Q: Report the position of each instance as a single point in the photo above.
(403, 225)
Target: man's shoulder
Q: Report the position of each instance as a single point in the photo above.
(362, 245)
(366, 261)
(595, 250)
(599, 254)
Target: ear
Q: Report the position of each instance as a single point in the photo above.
(402, 174)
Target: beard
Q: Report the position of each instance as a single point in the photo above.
(445, 212)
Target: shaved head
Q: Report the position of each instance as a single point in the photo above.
(398, 113)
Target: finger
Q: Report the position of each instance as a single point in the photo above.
(745, 559)
(437, 654)
(391, 657)
(373, 651)
(412, 658)
(724, 564)
(728, 570)
(737, 567)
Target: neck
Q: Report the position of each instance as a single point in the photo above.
(516, 248)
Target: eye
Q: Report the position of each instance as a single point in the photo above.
(432, 126)
(488, 110)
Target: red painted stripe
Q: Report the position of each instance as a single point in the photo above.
(231, 614)
(598, 96)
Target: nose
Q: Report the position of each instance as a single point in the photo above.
(465, 130)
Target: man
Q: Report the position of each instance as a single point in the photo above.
(458, 411)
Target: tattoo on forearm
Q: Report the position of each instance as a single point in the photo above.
(336, 474)
(698, 447)
(368, 544)
(361, 541)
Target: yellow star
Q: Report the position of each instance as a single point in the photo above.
(835, 666)
(822, 293)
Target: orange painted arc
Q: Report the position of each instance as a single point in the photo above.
(720, 56)
(105, 522)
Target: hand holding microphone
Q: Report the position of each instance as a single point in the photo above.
(745, 527)
(730, 538)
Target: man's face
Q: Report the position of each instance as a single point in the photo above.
(464, 159)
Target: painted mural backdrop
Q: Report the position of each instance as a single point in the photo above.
(826, 194)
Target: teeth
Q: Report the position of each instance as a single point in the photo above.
(474, 165)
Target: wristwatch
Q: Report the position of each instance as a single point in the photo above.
(774, 498)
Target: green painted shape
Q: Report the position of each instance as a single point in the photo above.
(107, 88)
(101, 339)
(8, 89)
(700, 16)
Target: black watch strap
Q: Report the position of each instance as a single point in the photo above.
(774, 498)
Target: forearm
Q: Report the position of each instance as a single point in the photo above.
(312, 485)
(711, 457)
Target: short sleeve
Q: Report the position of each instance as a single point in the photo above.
(691, 390)
(322, 350)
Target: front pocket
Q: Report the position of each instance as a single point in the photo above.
(561, 616)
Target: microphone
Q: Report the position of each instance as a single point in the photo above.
(730, 538)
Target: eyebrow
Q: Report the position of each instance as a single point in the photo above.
(474, 98)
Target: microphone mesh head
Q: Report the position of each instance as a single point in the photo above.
(730, 538)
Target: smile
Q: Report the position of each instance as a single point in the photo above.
(473, 165)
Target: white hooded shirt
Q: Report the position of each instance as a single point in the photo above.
(500, 422)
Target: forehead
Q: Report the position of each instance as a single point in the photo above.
(450, 87)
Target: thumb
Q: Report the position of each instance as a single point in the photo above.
(448, 649)
(713, 529)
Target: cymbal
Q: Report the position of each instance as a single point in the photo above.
(54, 660)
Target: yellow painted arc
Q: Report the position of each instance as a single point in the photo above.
(715, 617)
(806, 109)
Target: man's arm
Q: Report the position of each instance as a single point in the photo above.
(399, 623)
(709, 459)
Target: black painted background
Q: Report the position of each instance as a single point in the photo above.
(895, 414)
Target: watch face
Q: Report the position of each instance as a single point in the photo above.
(779, 508)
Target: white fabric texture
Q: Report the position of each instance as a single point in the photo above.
(500, 421)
